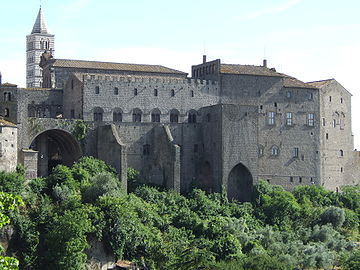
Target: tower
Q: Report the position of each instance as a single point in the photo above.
(36, 43)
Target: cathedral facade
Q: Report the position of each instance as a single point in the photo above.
(225, 125)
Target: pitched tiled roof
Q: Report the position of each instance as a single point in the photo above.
(248, 70)
(295, 83)
(115, 66)
(4, 123)
(8, 85)
(40, 26)
(320, 83)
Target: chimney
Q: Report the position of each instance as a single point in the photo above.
(264, 63)
(204, 59)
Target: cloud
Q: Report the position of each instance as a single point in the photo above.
(268, 11)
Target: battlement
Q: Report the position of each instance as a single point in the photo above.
(145, 79)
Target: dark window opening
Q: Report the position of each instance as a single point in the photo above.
(291, 179)
(172, 92)
(135, 92)
(192, 93)
(192, 118)
(155, 117)
(174, 117)
(116, 91)
(208, 117)
(98, 116)
(146, 149)
(97, 90)
(117, 116)
(155, 92)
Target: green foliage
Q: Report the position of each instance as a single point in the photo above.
(352, 262)
(316, 194)
(12, 182)
(334, 216)
(102, 184)
(305, 229)
(80, 130)
(8, 202)
(66, 239)
(92, 166)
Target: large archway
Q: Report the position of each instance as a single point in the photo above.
(55, 147)
(240, 183)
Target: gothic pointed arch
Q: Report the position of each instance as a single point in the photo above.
(240, 183)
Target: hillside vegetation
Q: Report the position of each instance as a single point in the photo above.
(309, 228)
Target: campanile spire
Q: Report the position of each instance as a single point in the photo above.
(37, 42)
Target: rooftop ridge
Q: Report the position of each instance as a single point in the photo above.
(115, 66)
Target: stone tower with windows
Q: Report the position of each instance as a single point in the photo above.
(36, 43)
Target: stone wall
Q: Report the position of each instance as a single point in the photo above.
(8, 147)
(336, 136)
(146, 94)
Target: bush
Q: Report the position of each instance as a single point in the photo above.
(334, 216)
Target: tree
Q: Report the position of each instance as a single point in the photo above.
(8, 202)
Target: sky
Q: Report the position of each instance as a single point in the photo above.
(307, 39)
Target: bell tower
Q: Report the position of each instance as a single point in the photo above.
(36, 43)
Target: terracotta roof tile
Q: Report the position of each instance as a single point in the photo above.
(115, 66)
(248, 70)
(295, 83)
(6, 123)
(8, 85)
(320, 83)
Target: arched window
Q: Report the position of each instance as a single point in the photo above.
(275, 151)
(174, 116)
(117, 115)
(7, 112)
(137, 113)
(5, 96)
(98, 114)
(155, 116)
(192, 116)
(341, 152)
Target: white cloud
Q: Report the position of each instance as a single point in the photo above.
(272, 10)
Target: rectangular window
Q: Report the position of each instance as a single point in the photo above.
(271, 118)
(296, 152)
(289, 118)
(323, 122)
(310, 119)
